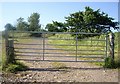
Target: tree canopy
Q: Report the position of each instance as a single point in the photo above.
(62, 27)
(90, 21)
(56, 27)
(9, 26)
(21, 24)
(51, 28)
(34, 22)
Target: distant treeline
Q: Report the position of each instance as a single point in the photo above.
(89, 21)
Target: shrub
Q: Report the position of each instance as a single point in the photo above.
(109, 63)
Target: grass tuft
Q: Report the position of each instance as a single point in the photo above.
(58, 65)
(14, 67)
(109, 63)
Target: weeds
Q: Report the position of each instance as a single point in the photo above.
(14, 67)
(109, 63)
(58, 65)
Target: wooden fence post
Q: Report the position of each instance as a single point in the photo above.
(6, 46)
(111, 37)
(9, 49)
(11, 57)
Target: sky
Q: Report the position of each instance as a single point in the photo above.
(50, 11)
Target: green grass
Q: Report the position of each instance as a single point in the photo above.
(92, 45)
(58, 65)
(14, 67)
(11, 67)
(84, 42)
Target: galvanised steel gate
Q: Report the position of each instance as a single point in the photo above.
(60, 46)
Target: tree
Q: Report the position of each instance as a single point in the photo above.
(9, 26)
(51, 28)
(21, 24)
(89, 21)
(56, 27)
(61, 26)
(34, 22)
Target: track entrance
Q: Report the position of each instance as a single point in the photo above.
(60, 46)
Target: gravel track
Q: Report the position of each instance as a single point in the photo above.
(44, 71)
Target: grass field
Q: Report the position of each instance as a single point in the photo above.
(91, 44)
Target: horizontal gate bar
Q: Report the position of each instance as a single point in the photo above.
(45, 56)
(86, 55)
(93, 50)
(78, 39)
(58, 39)
(75, 45)
(78, 56)
(90, 54)
(26, 44)
(27, 55)
(70, 61)
(59, 53)
(30, 52)
(61, 49)
(44, 53)
(75, 50)
(64, 56)
(30, 48)
(54, 32)
(91, 57)
(45, 49)
(60, 45)
(28, 38)
(59, 60)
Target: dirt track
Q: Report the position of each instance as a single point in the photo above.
(44, 71)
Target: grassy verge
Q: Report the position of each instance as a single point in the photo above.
(11, 67)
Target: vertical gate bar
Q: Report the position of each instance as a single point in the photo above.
(43, 46)
(106, 45)
(76, 46)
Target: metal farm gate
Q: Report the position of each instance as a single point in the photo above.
(59, 46)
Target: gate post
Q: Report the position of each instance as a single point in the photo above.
(111, 40)
(6, 46)
(11, 56)
(9, 48)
